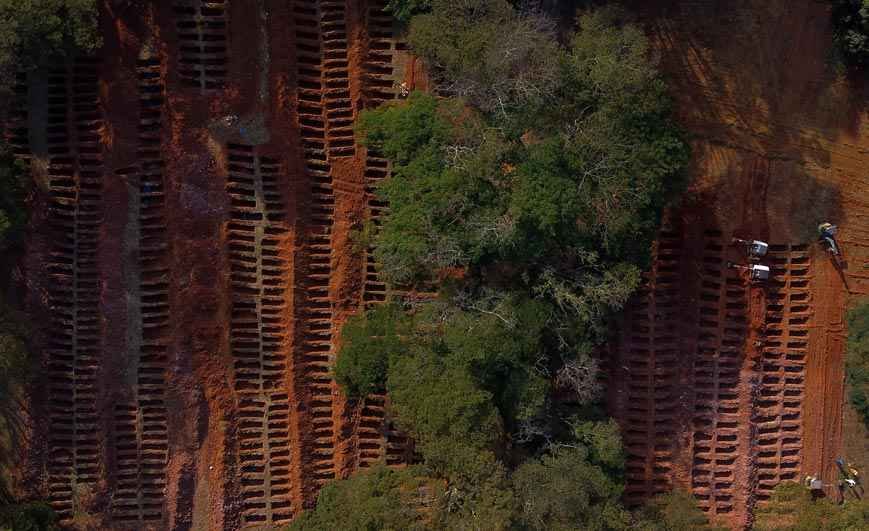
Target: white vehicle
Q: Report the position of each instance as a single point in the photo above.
(827, 233)
(756, 272)
(755, 248)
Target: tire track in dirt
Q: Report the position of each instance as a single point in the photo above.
(824, 367)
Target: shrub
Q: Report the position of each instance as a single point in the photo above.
(793, 509)
(376, 499)
(368, 341)
(32, 516)
(674, 511)
(12, 212)
(857, 359)
(32, 31)
(851, 30)
(563, 490)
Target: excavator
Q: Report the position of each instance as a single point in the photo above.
(827, 236)
(850, 476)
(756, 272)
(755, 249)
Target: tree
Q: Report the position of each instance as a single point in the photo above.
(602, 442)
(376, 499)
(32, 31)
(14, 362)
(35, 516)
(564, 490)
(12, 213)
(857, 359)
(566, 209)
(851, 30)
(368, 342)
(486, 52)
(674, 511)
(403, 10)
(478, 495)
(442, 194)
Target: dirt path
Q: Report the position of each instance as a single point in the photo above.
(824, 367)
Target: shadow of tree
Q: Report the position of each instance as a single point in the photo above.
(13, 378)
(756, 73)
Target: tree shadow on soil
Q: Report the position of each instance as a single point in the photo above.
(757, 73)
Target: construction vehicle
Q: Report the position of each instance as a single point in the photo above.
(827, 235)
(755, 249)
(813, 483)
(756, 272)
(850, 475)
(848, 470)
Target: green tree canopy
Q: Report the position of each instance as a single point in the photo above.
(374, 500)
(857, 359)
(566, 490)
(369, 340)
(793, 509)
(32, 31)
(34, 516)
(531, 195)
(851, 30)
(674, 511)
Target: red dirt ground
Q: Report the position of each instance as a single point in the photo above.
(190, 261)
(724, 387)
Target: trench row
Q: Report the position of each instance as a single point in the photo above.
(258, 335)
(723, 327)
(141, 426)
(652, 370)
(778, 406)
(74, 347)
(378, 440)
(16, 130)
(201, 26)
(314, 262)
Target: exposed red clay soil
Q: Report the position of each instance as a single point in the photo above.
(724, 387)
(189, 261)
